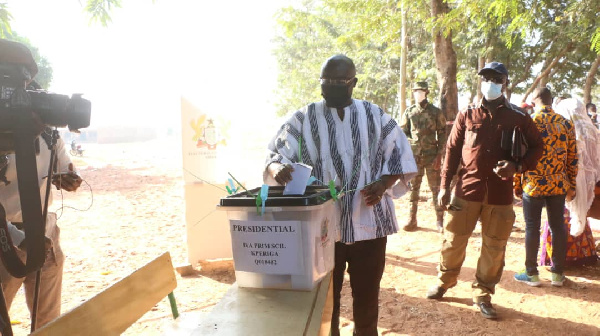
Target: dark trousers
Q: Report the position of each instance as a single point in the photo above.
(532, 211)
(366, 261)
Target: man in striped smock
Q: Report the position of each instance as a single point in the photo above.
(362, 149)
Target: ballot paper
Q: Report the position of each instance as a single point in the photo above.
(300, 176)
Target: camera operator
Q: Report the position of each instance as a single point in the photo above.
(65, 178)
(51, 280)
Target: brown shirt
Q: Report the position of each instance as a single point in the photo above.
(475, 144)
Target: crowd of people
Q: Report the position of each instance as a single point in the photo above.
(545, 153)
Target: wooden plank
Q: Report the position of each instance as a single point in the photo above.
(327, 311)
(117, 307)
(258, 312)
(319, 322)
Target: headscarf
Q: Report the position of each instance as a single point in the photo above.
(588, 152)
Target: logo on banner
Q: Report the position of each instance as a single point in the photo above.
(324, 231)
(207, 134)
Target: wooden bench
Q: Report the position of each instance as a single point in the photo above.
(116, 308)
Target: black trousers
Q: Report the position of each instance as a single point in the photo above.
(366, 261)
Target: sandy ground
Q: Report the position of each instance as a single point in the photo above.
(134, 193)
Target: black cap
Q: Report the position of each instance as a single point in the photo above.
(495, 66)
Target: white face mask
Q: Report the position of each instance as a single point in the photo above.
(491, 90)
(419, 95)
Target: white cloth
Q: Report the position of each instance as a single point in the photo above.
(9, 194)
(353, 152)
(588, 152)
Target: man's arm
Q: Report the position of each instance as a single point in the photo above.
(374, 192)
(535, 144)
(405, 123)
(453, 150)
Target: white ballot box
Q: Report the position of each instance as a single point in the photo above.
(289, 244)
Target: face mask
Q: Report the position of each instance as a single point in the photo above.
(491, 90)
(336, 95)
(419, 95)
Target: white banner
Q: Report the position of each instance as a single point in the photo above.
(205, 142)
(268, 247)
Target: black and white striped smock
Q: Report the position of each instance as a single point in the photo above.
(353, 152)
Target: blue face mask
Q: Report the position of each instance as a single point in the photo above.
(491, 90)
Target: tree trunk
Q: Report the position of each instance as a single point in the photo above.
(446, 64)
(589, 81)
(480, 65)
(403, 62)
(547, 70)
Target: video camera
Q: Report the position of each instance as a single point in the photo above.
(17, 69)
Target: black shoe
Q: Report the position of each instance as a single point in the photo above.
(436, 292)
(487, 310)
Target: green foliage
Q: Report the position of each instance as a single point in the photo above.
(5, 18)
(595, 43)
(99, 10)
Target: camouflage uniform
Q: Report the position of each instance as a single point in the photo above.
(425, 128)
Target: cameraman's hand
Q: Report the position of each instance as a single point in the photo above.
(69, 181)
(47, 244)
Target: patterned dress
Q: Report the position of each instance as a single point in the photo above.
(580, 250)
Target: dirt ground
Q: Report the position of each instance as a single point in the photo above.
(134, 193)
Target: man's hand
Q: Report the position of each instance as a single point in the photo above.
(373, 192)
(69, 181)
(282, 173)
(519, 193)
(505, 169)
(571, 195)
(443, 199)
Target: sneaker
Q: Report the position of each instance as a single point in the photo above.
(440, 226)
(558, 279)
(436, 292)
(487, 310)
(531, 280)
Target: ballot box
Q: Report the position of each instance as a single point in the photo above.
(287, 243)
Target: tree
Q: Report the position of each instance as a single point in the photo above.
(446, 62)
(98, 11)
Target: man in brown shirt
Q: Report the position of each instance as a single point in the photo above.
(481, 141)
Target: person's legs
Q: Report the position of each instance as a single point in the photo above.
(365, 267)
(10, 284)
(49, 299)
(457, 230)
(434, 179)
(339, 269)
(532, 213)
(555, 209)
(415, 187)
(496, 226)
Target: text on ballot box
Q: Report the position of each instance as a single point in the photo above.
(290, 245)
(267, 247)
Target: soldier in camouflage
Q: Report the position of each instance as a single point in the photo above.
(425, 127)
